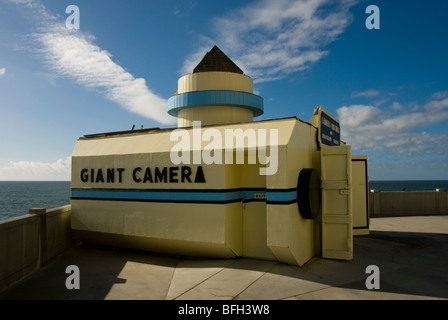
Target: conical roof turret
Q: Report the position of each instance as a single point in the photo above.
(216, 60)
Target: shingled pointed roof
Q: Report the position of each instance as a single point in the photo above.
(216, 60)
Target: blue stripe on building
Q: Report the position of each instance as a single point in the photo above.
(215, 98)
(222, 196)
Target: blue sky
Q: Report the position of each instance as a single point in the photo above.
(388, 87)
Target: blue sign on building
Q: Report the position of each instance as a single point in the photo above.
(330, 133)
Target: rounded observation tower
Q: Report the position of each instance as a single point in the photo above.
(217, 92)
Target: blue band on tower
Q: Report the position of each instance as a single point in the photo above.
(215, 98)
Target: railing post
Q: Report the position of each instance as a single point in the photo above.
(41, 212)
(375, 203)
(442, 201)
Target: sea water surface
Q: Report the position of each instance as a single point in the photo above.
(17, 197)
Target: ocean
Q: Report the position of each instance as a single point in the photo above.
(16, 197)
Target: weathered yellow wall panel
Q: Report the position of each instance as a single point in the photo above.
(254, 231)
(291, 237)
(213, 115)
(186, 224)
(360, 195)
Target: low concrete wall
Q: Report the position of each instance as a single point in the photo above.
(29, 241)
(408, 203)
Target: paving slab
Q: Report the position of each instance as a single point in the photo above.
(335, 293)
(190, 273)
(281, 282)
(143, 280)
(421, 224)
(229, 282)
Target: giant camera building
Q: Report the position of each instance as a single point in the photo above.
(127, 192)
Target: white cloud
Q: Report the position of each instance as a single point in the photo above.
(2, 71)
(440, 95)
(27, 2)
(72, 53)
(368, 128)
(272, 39)
(37, 171)
(396, 106)
(367, 93)
(436, 106)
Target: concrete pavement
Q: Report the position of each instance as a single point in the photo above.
(410, 252)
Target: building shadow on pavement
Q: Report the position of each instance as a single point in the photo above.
(412, 265)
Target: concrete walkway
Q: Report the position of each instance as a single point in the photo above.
(411, 253)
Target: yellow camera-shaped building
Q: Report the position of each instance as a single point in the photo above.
(284, 189)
